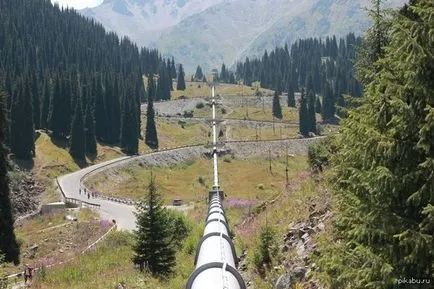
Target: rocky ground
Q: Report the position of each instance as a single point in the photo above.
(25, 192)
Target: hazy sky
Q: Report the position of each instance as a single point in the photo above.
(78, 4)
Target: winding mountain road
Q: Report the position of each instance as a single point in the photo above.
(70, 185)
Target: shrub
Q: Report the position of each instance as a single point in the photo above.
(188, 113)
(180, 227)
(3, 276)
(200, 105)
(223, 110)
(181, 123)
(201, 180)
(265, 250)
(319, 154)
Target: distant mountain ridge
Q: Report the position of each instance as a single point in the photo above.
(209, 32)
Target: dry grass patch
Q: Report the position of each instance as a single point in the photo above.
(173, 133)
(259, 113)
(53, 159)
(49, 239)
(261, 133)
(199, 89)
(242, 179)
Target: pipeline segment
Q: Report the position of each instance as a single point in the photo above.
(216, 259)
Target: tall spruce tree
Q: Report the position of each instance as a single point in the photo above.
(77, 147)
(318, 105)
(181, 81)
(291, 96)
(22, 127)
(199, 74)
(277, 109)
(46, 104)
(151, 138)
(311, 118)
(303, 115)
(155, 247)
(8, 242)
(90, 130)
(383, 169)
(129, 133)
(328, 107)
(57, 113)
(173, 69)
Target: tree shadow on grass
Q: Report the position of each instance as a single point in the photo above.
(59, 141)
(80, 162)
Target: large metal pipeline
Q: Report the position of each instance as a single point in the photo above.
(216, 259)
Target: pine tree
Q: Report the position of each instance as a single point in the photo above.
(318, 105)
(154, 249)
(173, 69)
(311, 111)
(277, 109)
(36, 102)
(291, 96)
(22, 127)
(181, 81)
(223, 74)
(77, 147)
(311, 118)
(57, 113)
(90, 130)
(151, 138)
(303, 115)
(46, 104)
(8, 243)
(328, 107)
(383, 167)
(129, 133)
(199, 74)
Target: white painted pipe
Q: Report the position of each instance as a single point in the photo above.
(216, 258)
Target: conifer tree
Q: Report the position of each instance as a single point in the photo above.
(22, 127)
(303, 115)
(173, 69)
(318, 105)
(277, 109)
(36, 102)
(45, 104)
(8, 242)
(129, 133)
(291, 96)
(181, 81)
(311, 111)
(154, 249)
(311, 118)
(199, 74)
(90, 130)
(77, 147)
(151, 138)
(328, 107)
(56, 115)
(383, 168)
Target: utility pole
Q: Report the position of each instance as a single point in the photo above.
(256, 132)
(286, 169)
(274, 131)
(269, 159)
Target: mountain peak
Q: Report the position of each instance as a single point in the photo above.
(209, 32)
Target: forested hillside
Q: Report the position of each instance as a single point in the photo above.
(323, 67)
(64, 73)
